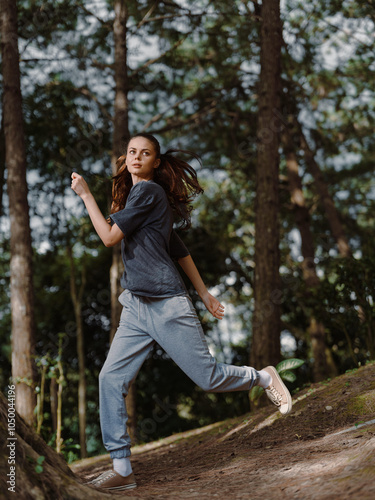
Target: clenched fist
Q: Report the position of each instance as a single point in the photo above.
(79, 185)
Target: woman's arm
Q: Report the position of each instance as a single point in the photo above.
(212, 304)
(110, 235)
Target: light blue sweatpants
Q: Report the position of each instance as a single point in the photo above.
(173, 323)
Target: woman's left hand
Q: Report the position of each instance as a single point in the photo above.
(213, 306)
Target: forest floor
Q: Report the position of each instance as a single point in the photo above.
(324, 449)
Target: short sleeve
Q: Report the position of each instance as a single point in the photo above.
(139, 205)
(177, 248)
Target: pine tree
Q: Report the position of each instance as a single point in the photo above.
(22, 291)
(267, 290)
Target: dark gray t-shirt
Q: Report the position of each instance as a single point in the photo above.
(150, 244)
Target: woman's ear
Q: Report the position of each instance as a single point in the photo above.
(157, 163)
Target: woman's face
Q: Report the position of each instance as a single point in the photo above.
(141, 159)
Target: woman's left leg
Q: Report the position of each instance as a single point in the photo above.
(176, 328)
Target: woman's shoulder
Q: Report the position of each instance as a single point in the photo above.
(149, 187)
(148, 191)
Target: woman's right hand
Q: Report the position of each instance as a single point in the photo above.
(79, 185)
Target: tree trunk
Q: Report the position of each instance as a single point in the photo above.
(55, 481)
(115, 275)
(2, 164)
(316, 328)
(76, 296)
(326, 199)
(120, 139)
(21, 282)
(267, 293)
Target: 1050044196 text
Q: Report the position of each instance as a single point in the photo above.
(12, 439)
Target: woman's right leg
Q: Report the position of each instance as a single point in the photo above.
(128, 351)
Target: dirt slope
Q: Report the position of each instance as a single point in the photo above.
(325, 449)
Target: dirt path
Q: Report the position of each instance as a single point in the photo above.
(325, 449)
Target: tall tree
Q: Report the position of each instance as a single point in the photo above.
(22, 294)
(120, 138)
(120, 135)
(326, 199)
(266, 322)
(316, 327)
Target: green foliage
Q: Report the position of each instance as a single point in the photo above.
(70, 450)
(348, 308)
(255, 393)
(39, 464)
(288, 364)
(288, 376)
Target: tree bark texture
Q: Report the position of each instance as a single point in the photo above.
(21, 282)
(120, 139)
(316, 329)
(267, 293)
(56, 480)
(121, 127)
(2, 163)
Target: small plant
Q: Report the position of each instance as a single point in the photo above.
(39, 464)
(60, 383)
(70, 450)
(51, 368)
(43, 364)
(284, 369)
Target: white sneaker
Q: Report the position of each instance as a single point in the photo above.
(277, 392)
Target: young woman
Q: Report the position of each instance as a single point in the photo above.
(151, 191)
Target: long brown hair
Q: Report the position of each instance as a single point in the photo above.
(178, 179)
